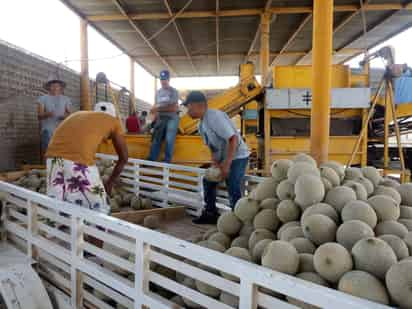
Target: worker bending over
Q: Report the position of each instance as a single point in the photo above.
(166, 117)
(229, 153)
(52, 109)
(72, 175)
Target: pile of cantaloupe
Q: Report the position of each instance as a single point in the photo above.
(34, 180)
(345, 228)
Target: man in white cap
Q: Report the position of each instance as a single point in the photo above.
(52, 109)
(72, 175)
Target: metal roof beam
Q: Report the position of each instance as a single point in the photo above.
(371, 28)
(338, 27)
(142, 35)
(292, 37)
(179, 34)
(232, 55)
(257, 34)
(246, 12)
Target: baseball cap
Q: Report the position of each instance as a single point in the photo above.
(195, 97)
(105, 107)
(164, 75)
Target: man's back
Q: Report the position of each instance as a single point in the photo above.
(78, 137)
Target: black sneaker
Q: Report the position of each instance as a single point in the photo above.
(206, 218)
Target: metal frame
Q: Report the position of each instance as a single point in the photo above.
(249, 12)
(120, 7)
(64, 265)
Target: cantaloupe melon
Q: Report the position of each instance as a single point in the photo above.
(309, 190)
(319, 229)
(269, 203)
(332, 261)
(391, 227)
(322, 209)
(246, 209)
(306, 263)
(372, 174)
(398, 246)
(241, 242)
(339, 196)
(350, 232)
(385, 207)
(285, 190)
(287, 211)
(391, 192)
(303, 245)
(258, 250)
(359, 210)
(364, 285)
(352, 173)
(405, 212)
(266, 219)
(399, 282)
(405, 190)
(359, 189)
(221, 238)
(258, 235)
(279, 169)
(291, 233)
(374, 256)
(330, 174)
(285, 226)
(303, 157)
(229, 224)
(338, 168)
(265, 189)
(281, 256)
(301, 168)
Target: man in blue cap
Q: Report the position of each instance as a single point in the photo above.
(229, 153)
(166, 116)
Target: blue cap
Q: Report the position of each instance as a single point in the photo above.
(164, 75)
(195, 97)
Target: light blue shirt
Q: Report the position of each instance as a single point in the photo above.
(57, 105)
(216, 128)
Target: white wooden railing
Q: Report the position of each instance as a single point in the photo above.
(167, 183)
(60, 251)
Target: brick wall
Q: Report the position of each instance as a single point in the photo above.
(22, 75)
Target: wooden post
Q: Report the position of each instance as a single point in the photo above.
(132, 88)
(387, 121)
(322, 78)
(264, 46)
(85, 103)
(264, 64)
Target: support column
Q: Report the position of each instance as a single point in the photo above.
(85, 103)
(322, 78)
(264, 46)
(154, 90)
(264, 65)
(132, 88)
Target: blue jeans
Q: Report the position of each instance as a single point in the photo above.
(165, 129)
(45, 137)
(234, 183)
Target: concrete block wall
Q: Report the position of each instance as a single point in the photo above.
(22, 75)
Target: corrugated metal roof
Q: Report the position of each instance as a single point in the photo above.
(236, 33)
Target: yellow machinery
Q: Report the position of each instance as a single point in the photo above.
(275, 122)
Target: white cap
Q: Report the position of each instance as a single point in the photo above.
(105, 107)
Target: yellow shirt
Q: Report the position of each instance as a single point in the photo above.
(79, 135)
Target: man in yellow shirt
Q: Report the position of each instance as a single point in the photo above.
(72, 175)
